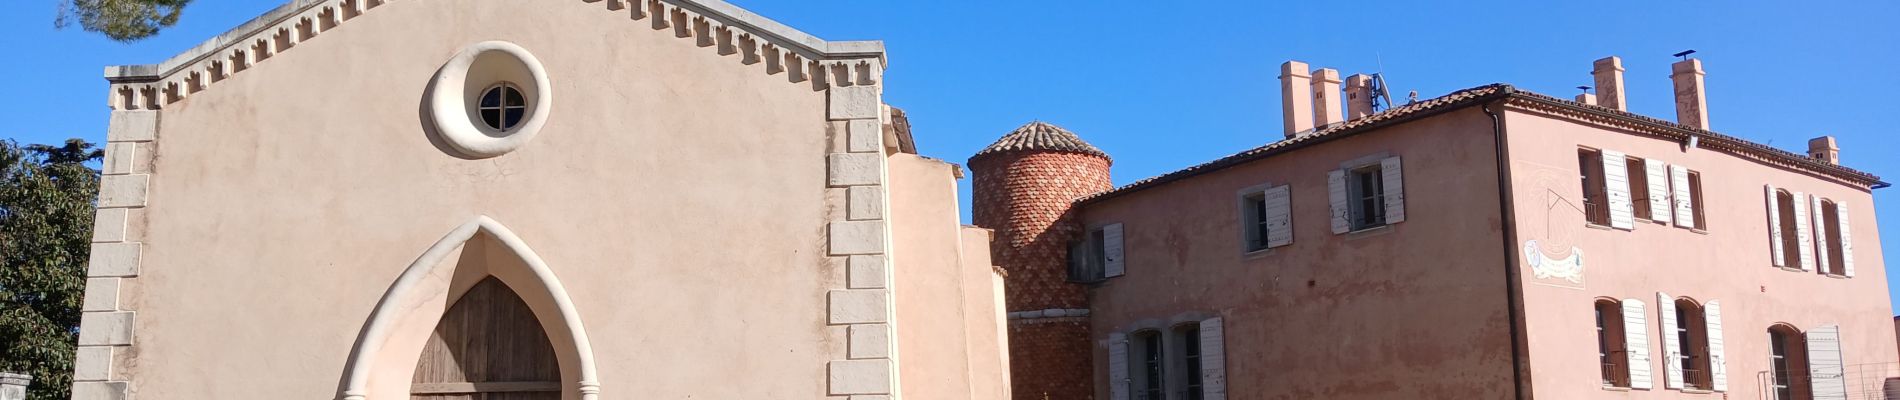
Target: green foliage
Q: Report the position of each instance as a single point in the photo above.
(46, 211)
(121, 20)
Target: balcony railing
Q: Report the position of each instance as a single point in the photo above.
(1858, 382)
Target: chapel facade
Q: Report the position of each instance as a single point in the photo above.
(420, 199)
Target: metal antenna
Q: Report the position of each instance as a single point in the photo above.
(1585, 89)
(1684, 55)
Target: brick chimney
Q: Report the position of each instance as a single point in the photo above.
(1296, 104)
(1609, 76)
(1326, 98)
(1358, 96)
(1692, 104)
(1825, 150)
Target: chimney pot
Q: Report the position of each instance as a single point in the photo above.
(1692, 104)
(1358, 96)
(1825, 150)
(1326, 97)
(1609, 77)
(1296, 104)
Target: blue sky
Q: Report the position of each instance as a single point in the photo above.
(1164, 85)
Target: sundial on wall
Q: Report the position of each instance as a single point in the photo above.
(1550, 241)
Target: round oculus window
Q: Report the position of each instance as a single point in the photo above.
(502, 106)
(490, 99)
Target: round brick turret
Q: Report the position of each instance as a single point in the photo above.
(1025, 184)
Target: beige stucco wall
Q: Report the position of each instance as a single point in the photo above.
(285, 199)
(1413, 311)
(1729, 263)
(946, 326)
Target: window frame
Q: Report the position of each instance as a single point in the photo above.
(1835, 250)
(1093, 266)
(1188, 335)
(1788, 364)
(1789, 229)
(1695, 200)
(502, 89)
(1596, 192)
(1253, 220)
(1365, 210)
(1151, 381)
(1637, 169)
(1692, 341)
(1612, 343)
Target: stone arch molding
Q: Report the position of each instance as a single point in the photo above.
(384, 358)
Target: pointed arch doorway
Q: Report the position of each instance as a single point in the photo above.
(488, 346)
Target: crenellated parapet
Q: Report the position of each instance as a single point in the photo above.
(722, 28)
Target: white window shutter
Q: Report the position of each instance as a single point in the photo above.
(1394, 177)
(1802, 232)
(1712, 313)
(1820, 232)
(1112, 263)
(1847, 239)
(1279, 216)
(1336, 192)
(1774, 227)
(1118, 366)
(1672, 345)
(1636, 343)
(1213, 360)
(1658, 190)
(1616, 184)
(1826, 369)
(1685, 211)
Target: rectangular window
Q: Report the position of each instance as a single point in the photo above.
(1086, 262)
(1151, 372)
(1611, 343)
(1191, 365)
(1695, 200)
(1596, 201)
(1831, 225)
(1639, 188)
(1254, 220)
(1366, 191)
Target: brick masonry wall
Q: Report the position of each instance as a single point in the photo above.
(1026, 197)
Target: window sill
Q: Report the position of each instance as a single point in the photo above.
(1256, 253)
(1697, 391)
(1836, 276)
(1593, 225)
(1698, 231)
(1616, 388)
(1368, 232)
(1794, 270)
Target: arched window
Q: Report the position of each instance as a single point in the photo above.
(1612, 349)
(1831, 232)
(1693, 335)
(1790, 237)
(1147, 381)
(1789, 363)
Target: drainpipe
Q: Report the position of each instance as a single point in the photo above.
(1509, 237)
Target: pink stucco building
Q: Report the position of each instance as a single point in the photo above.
(1490, 243)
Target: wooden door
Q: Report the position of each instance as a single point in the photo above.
(489, 346)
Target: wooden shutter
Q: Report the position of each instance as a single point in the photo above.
(1802, 232)
(1118, 366)
(1616, 185)
(1685, 208)
(1112, 264)
(1774, 226)
(1672, 345)
(1826, 369)
(1847, 240)
(1213, 360)
(1636, 343)
(1336, 192)
(1712, 313)
(1820, 232)
(1658, 190)
(1279, 216)
(1394, 177)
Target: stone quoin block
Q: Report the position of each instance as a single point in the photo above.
(865, 136)
(860, 376)
(854, 102)
(865, 203)
(857, 237)
(870, 341)
(99, 391)
(119, 158)
(132, 126)
(865, 272)
(105, 328)
(853, 169)
(122, 190)
(858, 306)
(102, 294)
(92, 363)
(108, 225)
(113, 259)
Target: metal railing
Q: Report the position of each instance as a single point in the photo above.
(1858, 382)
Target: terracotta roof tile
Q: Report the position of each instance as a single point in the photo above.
(1040, 136)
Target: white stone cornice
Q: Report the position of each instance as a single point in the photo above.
(713, 23)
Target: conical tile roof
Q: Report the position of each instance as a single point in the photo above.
(1041, 136)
